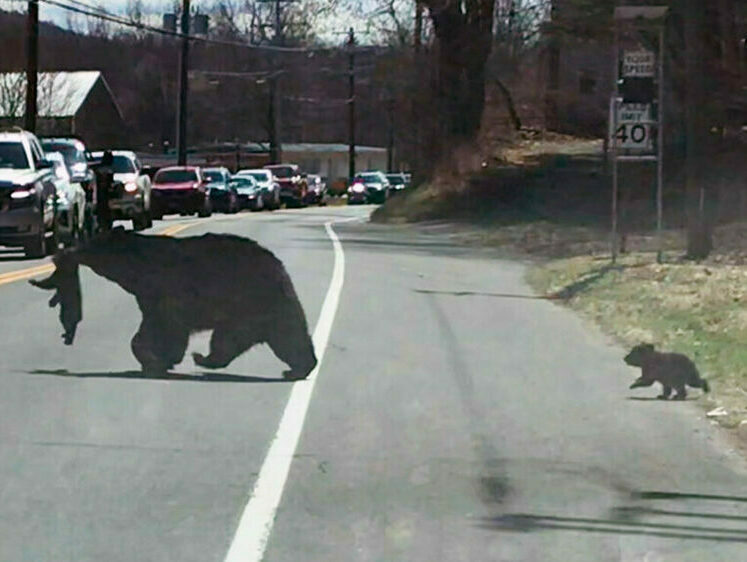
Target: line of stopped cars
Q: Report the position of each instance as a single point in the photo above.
(50, 190)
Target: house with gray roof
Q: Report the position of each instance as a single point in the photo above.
(78, 103)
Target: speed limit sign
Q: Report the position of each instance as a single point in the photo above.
(633, 130)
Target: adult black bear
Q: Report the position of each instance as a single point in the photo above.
(218, 282)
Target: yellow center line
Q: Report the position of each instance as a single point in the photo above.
(170, 231)
(46, 268)
(12, 276)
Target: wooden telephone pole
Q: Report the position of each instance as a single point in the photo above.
(181, 131)
(32, 64)
(351, 105)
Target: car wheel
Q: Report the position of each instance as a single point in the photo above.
(37, 247)
(75, 234)
(140, 222)
(205, 212)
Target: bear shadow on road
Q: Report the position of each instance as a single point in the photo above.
(204, 377)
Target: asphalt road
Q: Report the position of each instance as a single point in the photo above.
(454, 417)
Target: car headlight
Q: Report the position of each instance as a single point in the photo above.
(130, 187)
(358, 188)
(23, 193)
(79, 168)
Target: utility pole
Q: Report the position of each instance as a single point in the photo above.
(699, 235)
(273, 122)
(390, 135)
(275, 152)
(32, 64)
(273, 108)
(181, 131)
(351, 105)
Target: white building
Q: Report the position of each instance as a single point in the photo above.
(331, 160)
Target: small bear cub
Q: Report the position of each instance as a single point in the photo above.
(672, 370)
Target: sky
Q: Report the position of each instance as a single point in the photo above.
(348, 13)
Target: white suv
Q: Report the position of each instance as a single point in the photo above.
(27, 194)
(131, 192)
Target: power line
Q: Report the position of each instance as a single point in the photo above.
(126, 22)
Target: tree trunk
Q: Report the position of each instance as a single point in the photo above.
(513, 114)
(699, 235)
(464, 42)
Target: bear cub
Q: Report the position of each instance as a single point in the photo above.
(672, 370)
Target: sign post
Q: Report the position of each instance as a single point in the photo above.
(637, 105)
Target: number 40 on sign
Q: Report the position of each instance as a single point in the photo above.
(633, 126)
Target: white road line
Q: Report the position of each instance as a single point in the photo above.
(256, 522)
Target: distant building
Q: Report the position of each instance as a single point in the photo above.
(331, 160)
(79, 103)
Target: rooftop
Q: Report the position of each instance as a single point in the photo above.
(60, 94)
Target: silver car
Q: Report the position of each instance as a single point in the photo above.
(27, 194)
(266, 182)
(70, 202)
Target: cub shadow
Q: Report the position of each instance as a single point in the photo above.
(655, 399)
(139, 375)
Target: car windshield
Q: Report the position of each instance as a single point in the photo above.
(72, 153)
(13, 155)
(213, 176)
(176, 176)
(395, 179)
(259, 176)
(123, 165)
(242, 182)
(369, 178)
(283, 172)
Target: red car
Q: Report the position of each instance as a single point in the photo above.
(292, 183)
(180, 189)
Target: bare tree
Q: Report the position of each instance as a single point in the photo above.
(12, 95)
(98, 27)
(388, 22)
